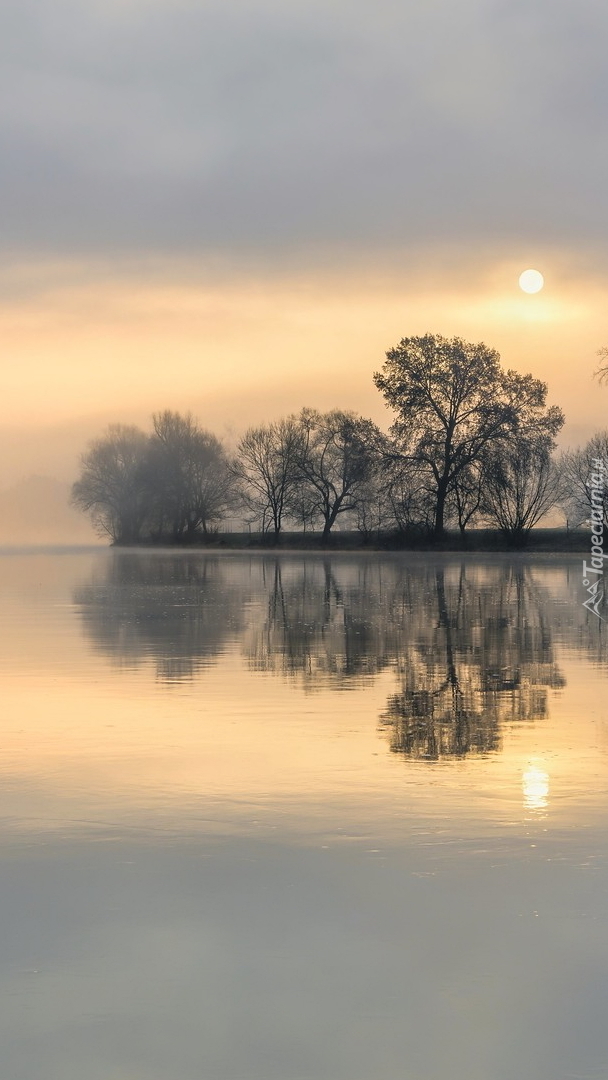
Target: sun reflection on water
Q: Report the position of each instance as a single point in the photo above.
(535, 786)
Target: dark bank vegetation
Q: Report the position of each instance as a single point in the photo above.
(471, 446)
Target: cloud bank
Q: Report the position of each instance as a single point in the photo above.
(261, 130)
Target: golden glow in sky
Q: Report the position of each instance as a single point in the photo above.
(88, 345)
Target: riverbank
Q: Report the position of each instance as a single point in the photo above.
(490, 540)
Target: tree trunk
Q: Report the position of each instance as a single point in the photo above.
(330, 517)
(442, 491)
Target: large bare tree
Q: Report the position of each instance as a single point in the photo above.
(453, 400)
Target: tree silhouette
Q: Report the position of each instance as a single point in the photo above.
(337, 460)
(453, 401)
(111, 483)
(266, 466)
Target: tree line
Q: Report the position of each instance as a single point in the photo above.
(470, 444)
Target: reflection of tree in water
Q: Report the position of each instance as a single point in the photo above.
(479, 653)
(321, 621)
(470, 642)
(178, 610)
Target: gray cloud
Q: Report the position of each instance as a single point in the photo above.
(257, 127)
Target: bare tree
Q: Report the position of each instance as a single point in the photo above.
(266, 467)
(453, 401)
(521, 486)
(212, 487)
(110, 484)
(602, 372)
(303, 507)
(338, 456)
(407, 493)
(466, 495)
(577, 468)
(373, 512)
(188, 481)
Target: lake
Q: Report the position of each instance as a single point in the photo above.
(302, 818)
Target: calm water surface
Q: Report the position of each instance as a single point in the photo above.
(302, 818)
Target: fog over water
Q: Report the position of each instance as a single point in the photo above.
(302, 817)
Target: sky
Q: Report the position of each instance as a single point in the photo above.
(236, 208)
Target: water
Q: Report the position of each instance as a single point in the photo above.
(302, 818)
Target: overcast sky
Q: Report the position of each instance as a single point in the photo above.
(196, 197)
(253, 128)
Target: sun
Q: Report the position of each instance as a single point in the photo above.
(531, 281)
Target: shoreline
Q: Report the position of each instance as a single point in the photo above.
(489, 541)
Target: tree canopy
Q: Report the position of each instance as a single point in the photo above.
(453, 401)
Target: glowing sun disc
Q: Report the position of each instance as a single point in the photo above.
(531, 281)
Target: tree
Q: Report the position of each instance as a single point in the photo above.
(303, 506)
(602, 372)
(267, 468)
(406, 492)
(212, 488)
(337, 458)
(453, 400)
(521, 486)
(110, 487)
(188, 480)
(466, 494)
(373, 512)
(577, 468)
